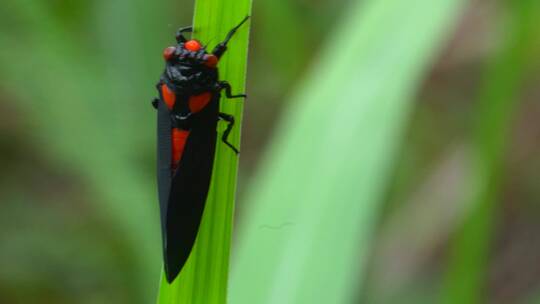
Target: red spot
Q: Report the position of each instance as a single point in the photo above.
(168, 53)
(192, 45)
(168, 96)
(198, 102)
(211, 61)
(179, 138)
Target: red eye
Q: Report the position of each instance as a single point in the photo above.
(211, 61)
(192, 45)
(168, 53)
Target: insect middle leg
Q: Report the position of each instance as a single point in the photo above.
(224, 85)
(230, 123)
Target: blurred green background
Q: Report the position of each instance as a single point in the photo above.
(78, 206)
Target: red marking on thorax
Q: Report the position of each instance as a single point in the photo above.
(179, 138)
(198, 102)
(168, 96)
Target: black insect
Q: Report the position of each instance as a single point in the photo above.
(188, 112)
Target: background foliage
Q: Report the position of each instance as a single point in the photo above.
(78, 210)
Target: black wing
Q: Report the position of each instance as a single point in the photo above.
(164, 155)
(188, 190)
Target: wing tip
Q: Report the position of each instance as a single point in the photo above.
(171, 276)
(171, 273)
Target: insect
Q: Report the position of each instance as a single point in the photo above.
(187, 114)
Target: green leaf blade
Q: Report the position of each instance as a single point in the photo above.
(204, 277)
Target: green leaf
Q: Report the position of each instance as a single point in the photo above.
(204, 277)
(315, 199)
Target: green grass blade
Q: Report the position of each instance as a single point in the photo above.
(205, 275)
(467, 271)
(315, 200)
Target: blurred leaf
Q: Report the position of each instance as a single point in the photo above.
(315, 200)
(88, 101)
(467, 269)
(283, 38)
(204, 277)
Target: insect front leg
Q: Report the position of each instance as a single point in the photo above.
(155, 101)
(220, 49)
(230, 123)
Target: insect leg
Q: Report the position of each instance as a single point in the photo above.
(230, 120)
(223, 85)
(155, 103)
(180, 33)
